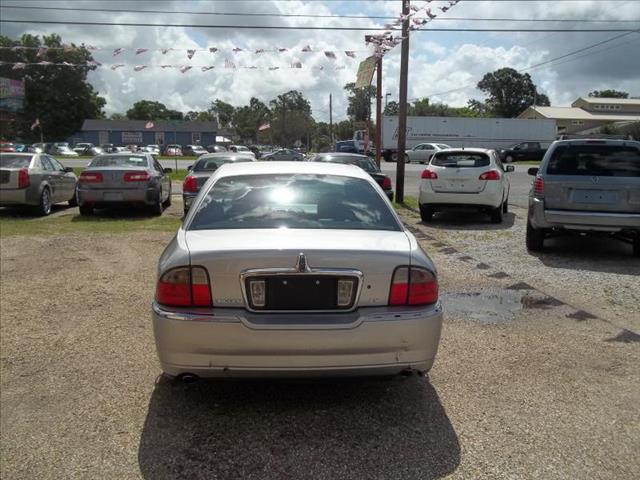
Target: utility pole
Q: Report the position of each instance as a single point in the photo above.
(331, 122)
(402, 119)
(379, 111)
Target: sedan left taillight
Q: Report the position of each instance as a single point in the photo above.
(90, 177)
(386, 183)
(490, 175)
(190, 184)
(141, 176)
(413, 286)
(23, 178)
(184, 287)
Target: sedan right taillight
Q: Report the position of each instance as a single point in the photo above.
(413, 286)
(23, 178)
(190, 184)
(90, 177)
(538, 187)
(141, 176)
(184, 287)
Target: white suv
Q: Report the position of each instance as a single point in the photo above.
(466, 177)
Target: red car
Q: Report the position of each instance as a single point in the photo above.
(7, 147)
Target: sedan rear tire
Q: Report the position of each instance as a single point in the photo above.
(534, 238)
(157, 208)
(636, 246)
(86, 210)
(167, 202)
(44, 208)
(497, 214)
(73, 201)
(426, 213)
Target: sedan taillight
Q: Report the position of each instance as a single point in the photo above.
(413, 286)
(429, 175)
(184, 287)
(23, 178)
(141, 176)
(190, 184)
(490, 175)
(90, 177)
(386, 183)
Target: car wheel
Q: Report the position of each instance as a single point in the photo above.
(73, 201)
(394, 157)
(426, 213)
(534, 238)
(497, 215)
(407, 159)
(167, 202)
(86, 210)
(44, 208)
(505, 206)
(636, 246)
(509, 159)
(157, 208)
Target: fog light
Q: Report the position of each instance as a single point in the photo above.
(258, 292)
(345, 292)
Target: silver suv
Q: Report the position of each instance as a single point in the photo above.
(588, 186)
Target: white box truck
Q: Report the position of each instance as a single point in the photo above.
(495, 133)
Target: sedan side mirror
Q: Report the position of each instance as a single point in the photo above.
(189, 167)
(533, 171)
(67, 170)
(167, 170)
(509, 168)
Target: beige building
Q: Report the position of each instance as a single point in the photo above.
(587, 113)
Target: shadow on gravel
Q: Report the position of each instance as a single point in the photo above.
(26, 212)
(285, 429)
(595, 254)
(468, 220)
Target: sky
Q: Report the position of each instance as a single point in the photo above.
(443, 66)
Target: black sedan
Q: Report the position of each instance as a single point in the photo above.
(361, 161)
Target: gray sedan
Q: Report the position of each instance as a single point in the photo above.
(203, 169)
(35, 179)
(294, 269)
(283, 155)
(124, 178)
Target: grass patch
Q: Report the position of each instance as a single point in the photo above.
(22, 223)
(527, 162)
(409, 202)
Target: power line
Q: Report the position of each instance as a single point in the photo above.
(288, 27)
(300, 15)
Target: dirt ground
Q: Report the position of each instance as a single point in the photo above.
(525, 385)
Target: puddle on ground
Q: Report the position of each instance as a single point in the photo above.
(495, 305)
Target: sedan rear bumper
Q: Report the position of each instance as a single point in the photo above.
(94, 196)
(225, 342)
(491, 196)
(580, 220)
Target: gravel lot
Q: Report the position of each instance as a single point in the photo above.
(522, 388)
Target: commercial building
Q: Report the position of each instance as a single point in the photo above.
(588, 113)
(142, 132)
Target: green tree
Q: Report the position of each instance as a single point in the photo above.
(608, 94)
(59, 96)
(223, 112)
(150, 110)
(117, 116)
(509, 92)
(392, 108)
(247, 119)
(359, 109)
(291, 118)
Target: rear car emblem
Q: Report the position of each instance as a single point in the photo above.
(301, 264)
(595, 179)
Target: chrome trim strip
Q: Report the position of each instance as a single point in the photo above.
(578, 213)
(274, 272)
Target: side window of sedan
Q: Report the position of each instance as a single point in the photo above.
(46, 164)
(56, 164)
(158, 167)
(498, 162)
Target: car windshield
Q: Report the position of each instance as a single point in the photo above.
(293, 201)
(14, 161)
(63, 148)
(211, 164)
(461, 160)
(364, 163)
(595, 160)
(119, 161)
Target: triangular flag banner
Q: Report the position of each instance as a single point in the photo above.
(274, 68)
(213, 49)
(296, 65)
(330, 55)
(116, 66)
(137, 68)
(42, 51)
(118, 51)
(236, 50)
(166, 66)
(260, 50)
(91, 47)
(306, 49)
(18, 66)
(185, 68)
(190, 54)
(350, 53)
(204, 69)
(282, 50)
(141, 50)
(165, 50)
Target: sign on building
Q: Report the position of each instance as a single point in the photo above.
(131, 138)
(11, 94)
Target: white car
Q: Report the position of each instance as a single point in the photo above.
(422, 153)
(468, 177)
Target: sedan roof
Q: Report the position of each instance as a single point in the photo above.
(465, 150)
(310, 168)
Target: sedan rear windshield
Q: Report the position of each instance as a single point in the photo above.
(364, 163)
(595, 160)
(293, 201)
(14, 161)
(460, 160)
(119, 161)
(211, 164)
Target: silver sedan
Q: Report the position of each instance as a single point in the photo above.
(35, 179)
(294, 269)
(124, 178)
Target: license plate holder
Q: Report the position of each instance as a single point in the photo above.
(112, 197)
(595, 196)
